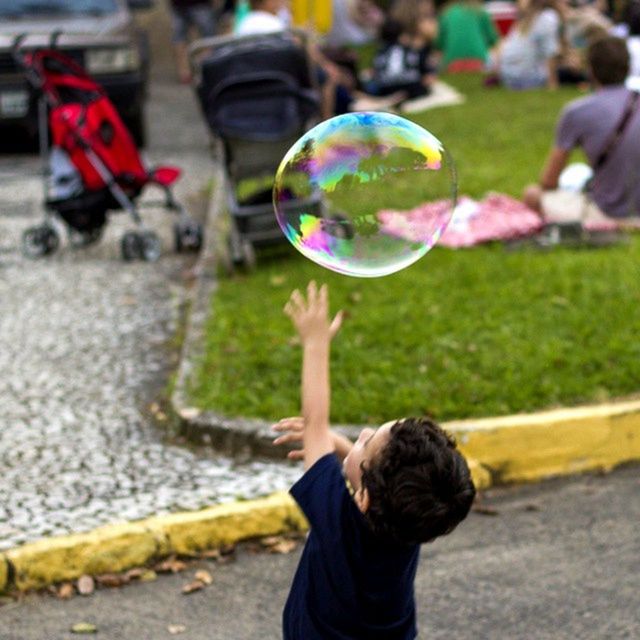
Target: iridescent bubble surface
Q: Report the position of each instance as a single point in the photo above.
(365, 194)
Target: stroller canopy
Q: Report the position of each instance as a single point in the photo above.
(257, 88)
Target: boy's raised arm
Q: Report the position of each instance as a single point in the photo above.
(311, 319)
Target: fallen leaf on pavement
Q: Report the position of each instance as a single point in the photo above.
(112, 579)
(213, 554)
(203, 576)
(170, 565)
(278, 544)
(175, 629)
(149, 576)
(194, 585)
(284, 546)
(84, 627)
(65, 591)
(532, 507)
(135, 573)
(86, 585)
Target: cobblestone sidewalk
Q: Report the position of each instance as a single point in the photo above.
(83, 342)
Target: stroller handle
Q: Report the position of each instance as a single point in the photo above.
(201, 45)
(16, 47)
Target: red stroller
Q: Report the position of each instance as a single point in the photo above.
(92, 165)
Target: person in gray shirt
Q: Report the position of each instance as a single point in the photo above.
(589, 123)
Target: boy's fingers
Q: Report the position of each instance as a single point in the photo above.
(296, 301)
(324, 297)
(289, 423)
(288, 437)
(297, 454)
(336, 323)
(311, 292)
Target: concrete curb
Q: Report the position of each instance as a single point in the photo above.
(118, 547)
(529, 447)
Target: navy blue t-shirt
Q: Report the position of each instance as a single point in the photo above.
(350, 584)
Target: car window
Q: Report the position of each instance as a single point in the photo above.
(21, 8)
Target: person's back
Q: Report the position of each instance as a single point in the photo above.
(528, 51)
(606, 126)
(374, 577)
(589, 123)
(465, 33)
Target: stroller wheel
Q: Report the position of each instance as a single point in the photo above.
(131, 246)
(151, 248)
(187, 235)
(39, 241)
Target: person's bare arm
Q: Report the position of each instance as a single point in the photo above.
(555, 163)
(311, 319)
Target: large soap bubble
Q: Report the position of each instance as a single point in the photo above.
(365, 194)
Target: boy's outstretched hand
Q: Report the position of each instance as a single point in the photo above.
(311, 316)
(292, 430)
(311, 319)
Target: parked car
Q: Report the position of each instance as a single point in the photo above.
(101, 35)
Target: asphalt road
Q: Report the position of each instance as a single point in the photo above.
(560, 560)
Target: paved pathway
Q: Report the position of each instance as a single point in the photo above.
(84, 345)
(558, 561)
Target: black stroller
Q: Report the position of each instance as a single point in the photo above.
(93, 166)
(258, 96)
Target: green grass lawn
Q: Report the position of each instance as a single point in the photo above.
(476, 332)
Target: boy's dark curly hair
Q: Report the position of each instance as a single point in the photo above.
(419, 485)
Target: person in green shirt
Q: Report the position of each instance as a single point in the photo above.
(466, 34)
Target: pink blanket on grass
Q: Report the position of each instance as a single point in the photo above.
(495, 217)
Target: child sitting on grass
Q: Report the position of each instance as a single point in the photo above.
(398, 486)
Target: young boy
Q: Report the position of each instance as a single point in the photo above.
(398, 486)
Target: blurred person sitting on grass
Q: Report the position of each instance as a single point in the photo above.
(338, 94)
(591, 123)
(527, 57)
(370, 504)
(403, 62)
(466, 35)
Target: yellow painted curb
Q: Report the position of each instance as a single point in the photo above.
(530, 447)
(480, 474)
(118, 547)
(4, 571)
(510, 449)
(229, 523)
(107, 549)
